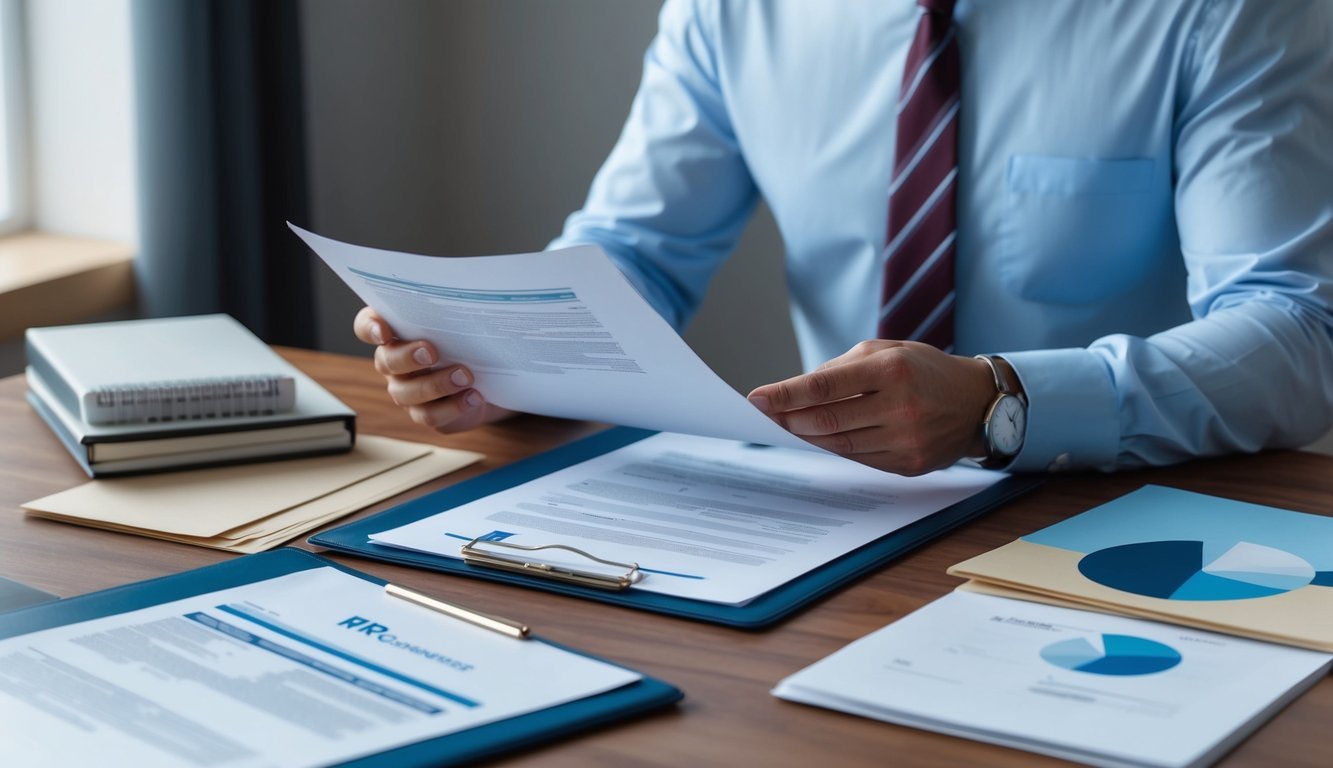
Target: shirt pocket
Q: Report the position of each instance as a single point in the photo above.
(1080, 229)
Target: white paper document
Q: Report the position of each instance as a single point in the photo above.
(713, 520)
(1099, 689)
(559, 333)
(306, 669)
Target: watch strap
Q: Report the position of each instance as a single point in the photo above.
(1002, 385)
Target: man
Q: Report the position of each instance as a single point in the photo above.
(1131, 205)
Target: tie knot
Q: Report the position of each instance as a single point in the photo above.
(944, 7)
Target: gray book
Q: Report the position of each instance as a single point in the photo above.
(161, 370)
(316, 423)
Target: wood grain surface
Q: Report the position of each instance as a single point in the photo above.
(728, 716)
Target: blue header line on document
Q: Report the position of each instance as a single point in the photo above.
(669, 573)
(236, 633)
(345, 656)
(641, 568)
(524, 296)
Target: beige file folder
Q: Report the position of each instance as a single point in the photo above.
(252, 507)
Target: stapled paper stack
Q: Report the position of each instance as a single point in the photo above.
(253, 507)
(1069, 678)
(1098, 689)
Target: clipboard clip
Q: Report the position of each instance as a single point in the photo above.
(473, 554)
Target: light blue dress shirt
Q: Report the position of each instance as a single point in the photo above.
(1145, 200)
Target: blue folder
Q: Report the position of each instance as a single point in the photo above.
(763, 611)
(478, 743)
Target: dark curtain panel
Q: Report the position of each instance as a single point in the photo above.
(222, 163)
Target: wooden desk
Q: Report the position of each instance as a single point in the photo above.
(728, 716)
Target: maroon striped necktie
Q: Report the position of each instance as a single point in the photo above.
(919, 251)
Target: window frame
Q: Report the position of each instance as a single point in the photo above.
(14, 171)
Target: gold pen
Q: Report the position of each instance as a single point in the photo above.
(507, 627)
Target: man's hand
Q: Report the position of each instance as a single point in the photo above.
(442, 399)
(900, 406)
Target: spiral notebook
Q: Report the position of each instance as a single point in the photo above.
(182, 392)
(161, 370)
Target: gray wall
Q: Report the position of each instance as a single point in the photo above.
(475, 126)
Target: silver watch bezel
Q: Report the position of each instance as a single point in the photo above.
(993, 450)
(994, 456)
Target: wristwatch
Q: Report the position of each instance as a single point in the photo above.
(1006, 420)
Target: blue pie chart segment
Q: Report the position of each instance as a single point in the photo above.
(1118, 655)
(1197, 570)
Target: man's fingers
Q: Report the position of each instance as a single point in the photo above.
(428, 386)
(371, 328)
(451, 414)
(830, 418)
(393, 358)
(401, 359)
(817, 387)
(443, 399)
(852, 442)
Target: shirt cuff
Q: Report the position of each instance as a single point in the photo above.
(1073, 421)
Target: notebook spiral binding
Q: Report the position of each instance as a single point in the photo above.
(230, 397)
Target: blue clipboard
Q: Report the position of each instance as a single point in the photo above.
(761, 612)
(478, 743)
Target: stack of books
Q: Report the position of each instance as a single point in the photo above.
(149, 395)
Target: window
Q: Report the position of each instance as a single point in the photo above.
(13, 177)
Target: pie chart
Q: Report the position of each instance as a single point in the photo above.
(1120, 655)
(1197, 570)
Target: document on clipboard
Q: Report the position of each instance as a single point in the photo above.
(285, 659)
(692, 517)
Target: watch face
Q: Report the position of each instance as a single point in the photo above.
(1008, 423)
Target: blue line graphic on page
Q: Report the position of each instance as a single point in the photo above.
(236, 633)
(669, 573)
(345, 656)
(539, 296)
